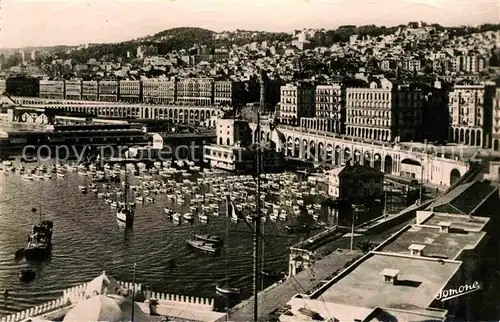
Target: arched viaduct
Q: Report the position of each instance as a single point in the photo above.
(179, 114)
(316, 147)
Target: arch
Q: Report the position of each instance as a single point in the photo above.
(347, 156)
(454, 176)
(320, 152)
(146, 113)
(329, 153)
(357, 156)
(478, 138)
(337, 158)
(461, 138)
(472, 137)
(228, 141)
(467, 138)
(456, 136)
(367, 158)
(410, 162)
(388, 164)
(296, 148)
(377, 162)
(220, 141)
(303, 153)
(311, 155)
(495, 145)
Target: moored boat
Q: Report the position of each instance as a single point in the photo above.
(203, 246)
(213, 239)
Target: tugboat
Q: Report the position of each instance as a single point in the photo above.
(40, 241)
(27, 275)
(126, 213)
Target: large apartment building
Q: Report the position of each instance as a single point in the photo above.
(470, 109)
(51, 89)
(195, 91)
(159, 91)
(131, 91)
(109, 91)
(329, 112)
(384, 111)
(73, 90)
(296, 101)
(90, 90)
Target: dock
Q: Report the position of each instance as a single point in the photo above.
(277, 295)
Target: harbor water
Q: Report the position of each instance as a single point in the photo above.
(87, 240)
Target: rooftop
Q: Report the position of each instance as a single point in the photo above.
(438, 244)
(465, 198)
(419, 281)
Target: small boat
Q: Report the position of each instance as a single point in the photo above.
(47, 176)
(27, 177)
(60, 175)
(209, 238)
(203, 218)
(272, 274)
(176, 218)
(27, 275)
(83, 189)
(224, 289)
(188, 216)
(203, 246)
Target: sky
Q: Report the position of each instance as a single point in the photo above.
(73, 22)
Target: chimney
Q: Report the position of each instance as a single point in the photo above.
(390, 275)
(416, 249)
(444, 226)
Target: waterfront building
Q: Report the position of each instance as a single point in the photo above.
(131, 91)
(73, 90)
(384, 112)
(90, 90)
(470, 108)
(356, 181)
(159, 91)
(51, 89)
(410, 276)
(296, 101)
(195, 91)
(234, 150)
(109, 91)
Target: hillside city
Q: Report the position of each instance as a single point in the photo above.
(370, 154)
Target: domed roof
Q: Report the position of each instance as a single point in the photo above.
(103, 284)
(96, 308)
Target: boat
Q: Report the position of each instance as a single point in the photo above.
(126, 213)
(27, 177)
(27, 275)
(209, 238)
(203, 218)
(60, 175)
(176, 218)
(223, 288)
(297, 228)
(203, 246)
(83, 189)
(40, 241)
(188, 216)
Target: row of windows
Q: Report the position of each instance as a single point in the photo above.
(368, 121)
(368, 113)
